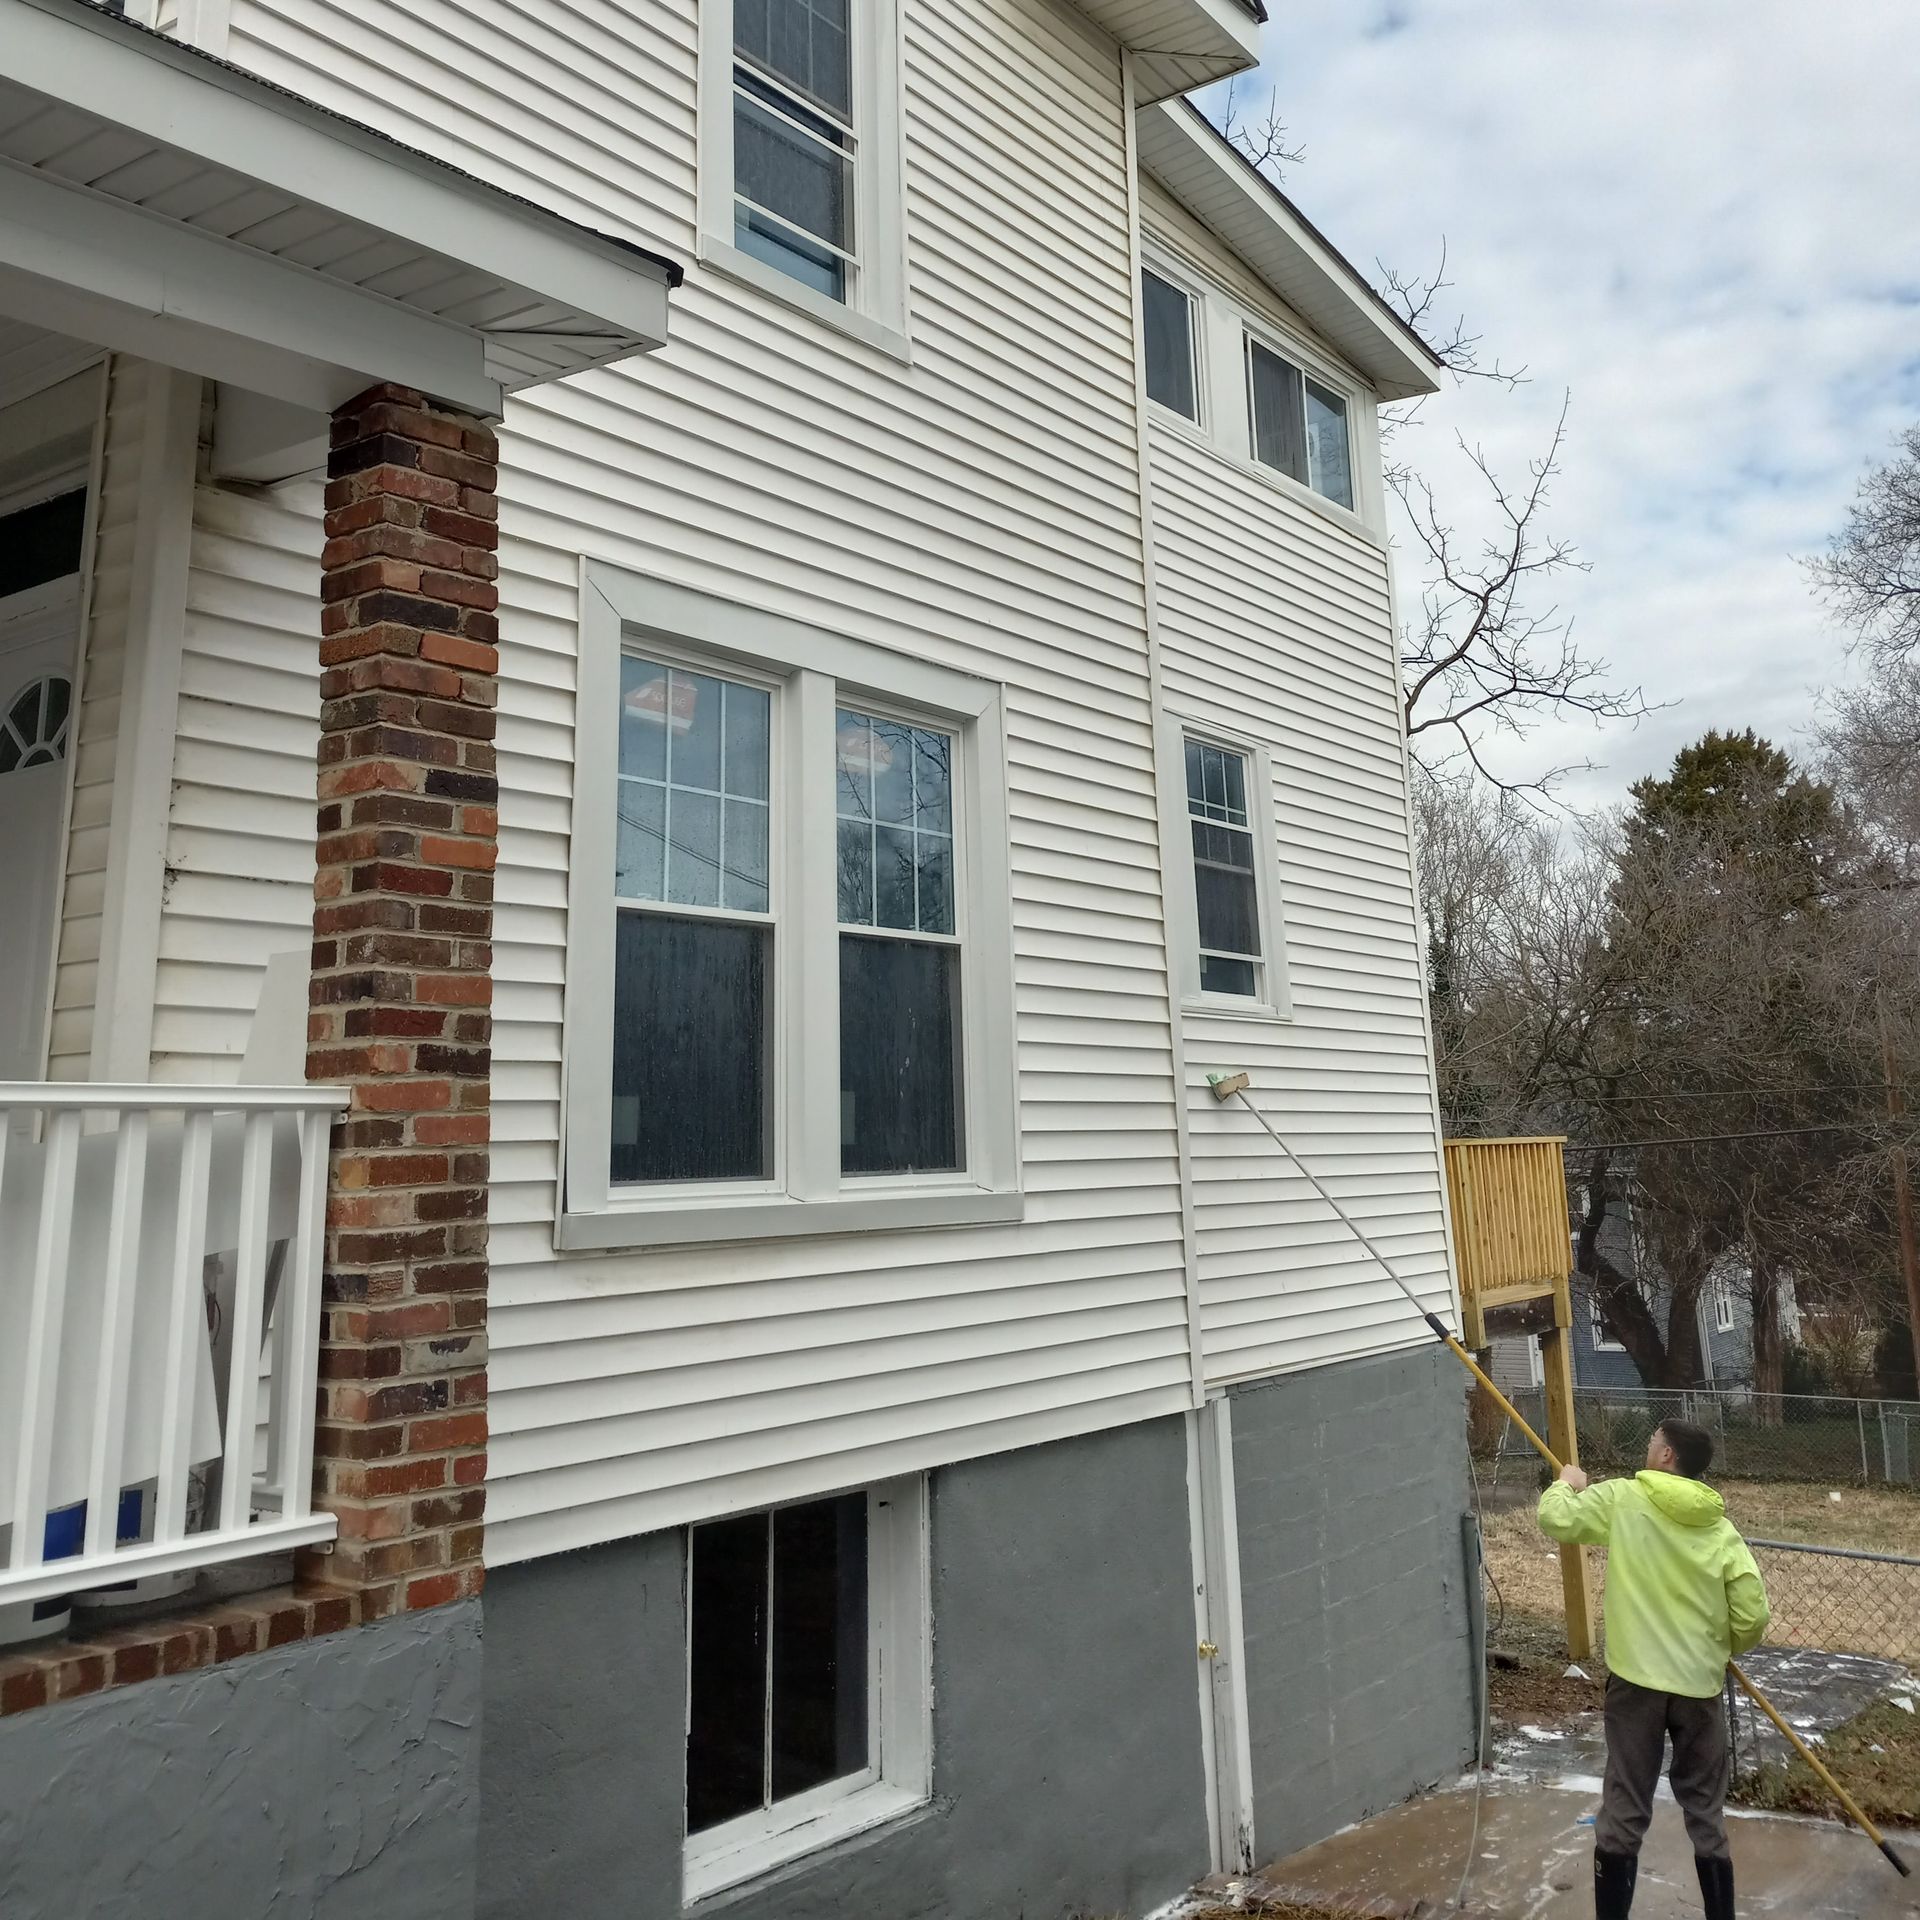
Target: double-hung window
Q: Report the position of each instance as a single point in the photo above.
(800, 155)
(1299, 425)
(1234, 962)
(789, 1003)
(806, 1678)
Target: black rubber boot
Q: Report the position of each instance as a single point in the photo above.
(1716, 1886)
(1613, 1878)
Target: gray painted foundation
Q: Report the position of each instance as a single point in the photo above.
(334, 1779)
(1067, 1765)
(1351, 1481)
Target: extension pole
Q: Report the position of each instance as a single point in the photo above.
(1234, 1086)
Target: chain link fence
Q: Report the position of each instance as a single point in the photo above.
(1758, 1437)
(1842, 1600)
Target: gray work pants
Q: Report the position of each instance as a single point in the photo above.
(1638, 1724)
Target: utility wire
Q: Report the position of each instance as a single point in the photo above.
(1707, 1139)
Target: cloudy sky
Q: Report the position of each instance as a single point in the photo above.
(1702, 219)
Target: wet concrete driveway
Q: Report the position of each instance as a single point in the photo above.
(1535, 1861)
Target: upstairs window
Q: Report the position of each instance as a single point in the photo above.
(1299, 426)
(800, 157)
(1226, 883)
(1167, 320)
(793, 139)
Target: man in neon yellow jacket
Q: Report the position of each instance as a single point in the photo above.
(1683, 1598)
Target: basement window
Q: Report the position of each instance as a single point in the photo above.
(807, 1714)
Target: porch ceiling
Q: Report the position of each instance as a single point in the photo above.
(160, 201)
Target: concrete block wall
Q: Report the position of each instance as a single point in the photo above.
(1350, 1482)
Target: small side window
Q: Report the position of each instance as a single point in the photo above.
(1299, 426)
(1167, 318)
(1226, 884)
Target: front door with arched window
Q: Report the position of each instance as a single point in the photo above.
(38, 629)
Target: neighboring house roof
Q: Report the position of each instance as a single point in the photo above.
(1221, 188)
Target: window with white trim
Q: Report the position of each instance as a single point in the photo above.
(1299, 426)
(1166, 313)
(807, 1683)
(1722, 1307)
(1261, 392)
(789, 994)
(799, 186)
(1221, 788)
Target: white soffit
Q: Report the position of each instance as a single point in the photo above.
(157, 200)
(1222, 190)
(1179, 45)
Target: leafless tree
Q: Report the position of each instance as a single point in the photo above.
(1481, 658)
(1264, 141)
(1871, 573)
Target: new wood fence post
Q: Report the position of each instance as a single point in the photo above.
(1556, 1357)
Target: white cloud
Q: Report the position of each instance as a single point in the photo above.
(1699, 217)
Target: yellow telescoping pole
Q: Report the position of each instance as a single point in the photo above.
(1231, 1086)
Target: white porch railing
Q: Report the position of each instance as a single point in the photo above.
(160, 1255)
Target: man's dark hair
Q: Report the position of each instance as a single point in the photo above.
(1692, 1447)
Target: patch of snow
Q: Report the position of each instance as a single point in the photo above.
(1904, 1702)
(1545, 1734)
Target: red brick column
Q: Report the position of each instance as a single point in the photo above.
(401, 994)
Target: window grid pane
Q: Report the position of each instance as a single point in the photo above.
(802, 43)
(1226, 886)
(894, 803)
(695, 812)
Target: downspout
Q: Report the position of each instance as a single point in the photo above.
(1226, 1754)
(1169, 848)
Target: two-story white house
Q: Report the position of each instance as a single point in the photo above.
(670, 674)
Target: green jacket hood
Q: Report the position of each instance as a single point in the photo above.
(1687, 1503)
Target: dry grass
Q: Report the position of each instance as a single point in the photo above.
(1842, 1606)
(1877, 1754)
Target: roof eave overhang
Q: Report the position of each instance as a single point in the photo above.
(1221, 190)
(81, 260)
(1181, 45)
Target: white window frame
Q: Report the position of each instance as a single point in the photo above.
(899, 1777)
(1275, 999)
(1198, 345)
(813, 673)
(875, 309)
(1603, 1342)
(1223, 325)
(1722, 1307)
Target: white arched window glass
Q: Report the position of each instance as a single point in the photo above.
(33, 730)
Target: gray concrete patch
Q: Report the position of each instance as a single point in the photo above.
(584, 1734)
(1351, 1481)
(332, 1780)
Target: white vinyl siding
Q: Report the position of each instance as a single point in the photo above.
(96, 728)
(1276, 625)
(241, 822)
(979, 508)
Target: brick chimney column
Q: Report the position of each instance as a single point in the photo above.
(401, 994)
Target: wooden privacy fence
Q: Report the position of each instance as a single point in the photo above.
(1511, 1238)
(1508, 1199)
